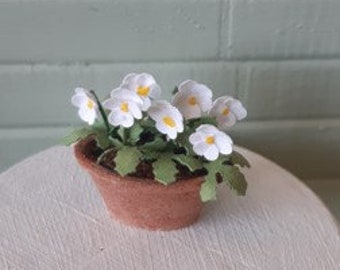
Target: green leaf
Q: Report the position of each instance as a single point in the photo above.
(150, 156)
(158, 144)
(135, 132)
(234, 178)
(127, 159)
(147, 122)
(77, 134)
(196, 122)
(117, 143)
(121, 131)
(102, 139)
(237, 158)
(164, 169)
(230, 175)
(192, 163)
(208, 188)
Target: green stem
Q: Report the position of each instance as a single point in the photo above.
(102, 112)
(125, 132)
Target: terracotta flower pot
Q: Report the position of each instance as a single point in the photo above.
(143, 203)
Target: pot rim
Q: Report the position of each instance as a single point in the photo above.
(107, 175)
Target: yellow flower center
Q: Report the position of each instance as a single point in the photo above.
(143, 91)
(192, 101)
(169, 121)
(225, 111)
(124, 107)
(90, 104)
(210, 139)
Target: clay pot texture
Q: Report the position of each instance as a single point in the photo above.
(143, 203)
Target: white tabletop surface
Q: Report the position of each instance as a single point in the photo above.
(52, 217)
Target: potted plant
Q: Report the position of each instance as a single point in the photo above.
(156, 162)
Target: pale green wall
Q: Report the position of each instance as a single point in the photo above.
(278, 56)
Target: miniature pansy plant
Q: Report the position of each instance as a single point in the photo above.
(88, 109)
(192, 99)
(138, 134)
(209, 142)
(143, 85)
(168, 119)
(125, 107)
(227, 111)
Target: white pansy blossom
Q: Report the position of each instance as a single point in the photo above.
(168, 119)
(192, 99)
(88, 108)
(208, 141)
(144, 85)
(125, 107)
(227, 111)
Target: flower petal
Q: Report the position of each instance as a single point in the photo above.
(237, 108)
(161, 127)
(225, 121)
(191, 112)
(159, 108)
(135, 110)
(128, 121)
(146, 103)
(218, 105)
(172, 133)
(79, 99)
(186, 85)
(196, 138)
(87, 115)
(211, 153)
(205, 96)
(121, 119)
(200, 148)
(126, 95)
(207, 129)
(145, 79)
(129, 78)
(155, 91)
(111, 103)
(224, 143)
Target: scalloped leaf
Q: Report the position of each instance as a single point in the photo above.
(134, 133)
(77, 134)
(127, 159)
(117, 143)
(208, 187)
(158, 144)
(164, 170)
(230, 175)
(234, 178)
(237, 158)
(150, 155)
(102, 139)
(196, 122)
(190, 162)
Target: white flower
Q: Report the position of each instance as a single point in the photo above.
(168, 119)
(227, 111)
(88, 108)
(192, 99)
(144, 85)
(208, 141)
(125, 107)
